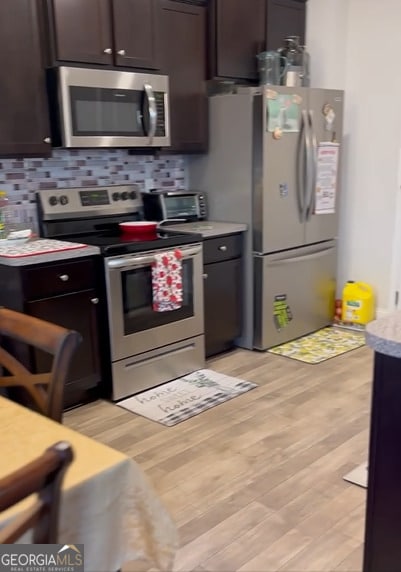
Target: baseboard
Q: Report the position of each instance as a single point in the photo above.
(382, 313)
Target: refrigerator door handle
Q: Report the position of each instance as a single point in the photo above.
(309, 164)
(314, 151)
(302, 166)
(302, 257)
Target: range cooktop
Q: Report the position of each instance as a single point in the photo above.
(92, 215)
(113, 243)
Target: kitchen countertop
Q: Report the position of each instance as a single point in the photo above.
(209, 228)
(384, 335)
(50, 257)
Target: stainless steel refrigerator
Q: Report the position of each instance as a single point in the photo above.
(274, 164)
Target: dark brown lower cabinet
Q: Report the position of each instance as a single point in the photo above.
(77, 311)
(68, 294)
(382, 548)
(222, 293)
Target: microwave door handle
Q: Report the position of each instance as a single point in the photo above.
(150, 96)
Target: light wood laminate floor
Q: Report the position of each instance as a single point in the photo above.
(255, 484)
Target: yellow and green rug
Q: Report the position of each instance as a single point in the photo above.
(321, 345)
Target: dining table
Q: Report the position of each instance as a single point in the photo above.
(107, 504)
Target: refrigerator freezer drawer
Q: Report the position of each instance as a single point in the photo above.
(294, 293)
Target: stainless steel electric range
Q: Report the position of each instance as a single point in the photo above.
(146, 348)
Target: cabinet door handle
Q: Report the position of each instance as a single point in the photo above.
(64, 277)
(223, 248)
(205, 276)
(47, 140)
(121, 52)
(108, 51)
(95, 300)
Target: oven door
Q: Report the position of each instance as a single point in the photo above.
(134, 326)
(108, 108)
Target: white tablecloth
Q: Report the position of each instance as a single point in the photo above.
(107, 503)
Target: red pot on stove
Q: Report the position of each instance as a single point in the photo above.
(138, 229)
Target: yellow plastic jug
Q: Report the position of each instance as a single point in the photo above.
(358, 304)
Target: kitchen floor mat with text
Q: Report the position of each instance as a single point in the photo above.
(185, 397)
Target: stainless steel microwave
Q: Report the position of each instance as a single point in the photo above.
(108, 108)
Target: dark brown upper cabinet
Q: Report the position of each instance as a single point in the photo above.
(183, 58)
(82, 31)
(237, 33)
(24, 122)
(109, 32)
(284, 18)
(240, 29)
(135, 33)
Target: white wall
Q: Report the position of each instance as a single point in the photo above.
(356, 48)
(326, 30)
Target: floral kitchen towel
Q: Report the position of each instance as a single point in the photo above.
(167, 281)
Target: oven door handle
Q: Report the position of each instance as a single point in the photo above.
(136, 261)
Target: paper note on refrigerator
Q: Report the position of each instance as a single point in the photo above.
(326, 178)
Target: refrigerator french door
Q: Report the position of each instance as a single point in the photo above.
(322, 102)
(278, 220)
(286, 166)
(294, 293)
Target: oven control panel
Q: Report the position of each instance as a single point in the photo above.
(94, 201)
(94, 198)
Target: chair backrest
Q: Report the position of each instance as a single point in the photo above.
(43, 476)
(45, 390)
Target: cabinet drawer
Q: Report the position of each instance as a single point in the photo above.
(222, 248)
(52, 280)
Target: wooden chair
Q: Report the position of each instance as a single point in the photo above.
(46, 391)
(43, 476)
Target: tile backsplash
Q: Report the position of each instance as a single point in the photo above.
(20, 178)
